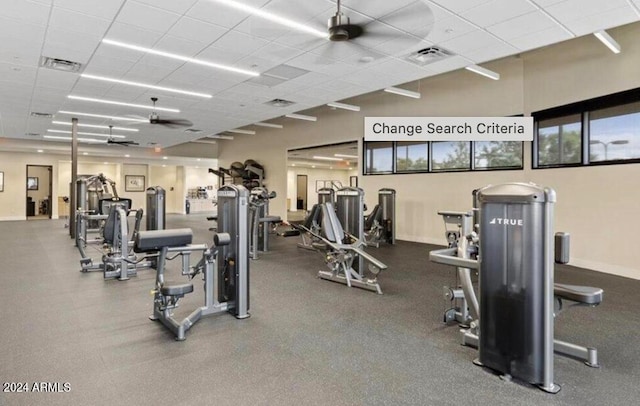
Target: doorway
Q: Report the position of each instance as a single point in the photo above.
(38, 192)
(301, 188)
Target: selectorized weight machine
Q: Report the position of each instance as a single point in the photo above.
(512, 324)
(224, 265)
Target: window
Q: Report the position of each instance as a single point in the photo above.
(614, 133)
(497, 154)
(412, 156)
(450, 155)
(560, 140)
(378, 157)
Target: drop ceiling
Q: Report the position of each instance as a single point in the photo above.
(474, 31)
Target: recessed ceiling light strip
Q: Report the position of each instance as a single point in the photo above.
(327, 158)
(179, 57)
(302, 117)
(120, 118)
(403, 92)
(106, 127)
(483, 71)
(270, 125)
(84, 133)
(346, 156)
(145, 85)
(273, 17)
(344, 106)
(219, 136)
(117, 103)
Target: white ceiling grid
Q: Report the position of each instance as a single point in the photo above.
(476, 31)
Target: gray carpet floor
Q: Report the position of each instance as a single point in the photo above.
(308, 341)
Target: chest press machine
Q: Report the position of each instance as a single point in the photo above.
(224, 265)
(512, 323)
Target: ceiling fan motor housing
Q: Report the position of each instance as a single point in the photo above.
(340, 28)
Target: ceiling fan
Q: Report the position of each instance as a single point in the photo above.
(340, 27)
(154, 119)
(112, 140)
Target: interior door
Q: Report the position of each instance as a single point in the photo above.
(301, 187)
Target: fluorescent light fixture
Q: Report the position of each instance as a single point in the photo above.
(606, 39)
(84, 133)
(145, 85)
(127, 156)
(327, 158)
(106, 127)
(85, 153)
(40, 150)
(484, 72)
(270, 125)
(57, 137)
(76, 113)
(248, 132)
(165, 157)
(138, 106)
(220, 137)
(344, 106)
(273, 17)
(346, 156)
(179, 57)
(403, 92)
(302, 117)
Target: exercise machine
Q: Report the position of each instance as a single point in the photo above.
(341, 241)
(380, 224)
(224, 265)
(156, 208)
(513, 326)
(261, 222)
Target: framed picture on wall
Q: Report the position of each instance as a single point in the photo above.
(134, 183)
(32, 183)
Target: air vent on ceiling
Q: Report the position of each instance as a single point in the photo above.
(429, 55)
(279, 103)
(41, 115)
(192, 130)
(60, 64)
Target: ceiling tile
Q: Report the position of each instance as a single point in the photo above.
(17, 73)
(575, 9)
(522, 25)
(604, 20)
(179, 7)
(217, 55)
(146, 17)
(458, 6)
(496, 51)
(448, 28)
(77, 22)
(97, 8)
(497, 11)
(470, 41)
(103, 63)
(26, 11)
(540, 38)
(179, 46)
(56, 79)
(375, 9)
(237, 41)
(196, 30)
(68, 45)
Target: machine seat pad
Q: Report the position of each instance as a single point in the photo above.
(270, 219)
(153, 240)
(176, 290)
(581, 294)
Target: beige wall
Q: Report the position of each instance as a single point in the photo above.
(597, 205)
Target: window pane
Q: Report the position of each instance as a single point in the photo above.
(378, 157)
(450, 155)
(559, 141)
(498, 154)
(615, 133)
(412, 156)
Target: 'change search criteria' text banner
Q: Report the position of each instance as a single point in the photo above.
(448, 128)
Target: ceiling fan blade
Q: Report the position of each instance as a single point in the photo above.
(173, 123)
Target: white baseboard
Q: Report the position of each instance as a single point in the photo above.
(13, 218)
